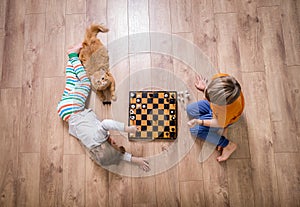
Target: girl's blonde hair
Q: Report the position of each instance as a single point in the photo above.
(223, 90)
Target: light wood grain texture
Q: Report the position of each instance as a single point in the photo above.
(75, 6)
(240, 187)
(181, 18)
(2, 42)
(228, 44)
(51, 159)
(96, 188)
(3, 6)
(288, 172)
(250, 44)
(55, 38)
(260, 141)
(138, 26)
(120, 190)
(167, 191)
(291, 30)
(10, 101)
(238, 133)
(35, 7)
(73, 180)
(190, 168)
(144, 190)
(96, 11)
(216, 193)
(215, 181)
(14, 38)
(161, 45)
(77, 22)
(204, 30)
(268, 3)
(32, 83)
(257, 41)
(117, 19)
(293, 88)
(224, 6)
(29, 178)
(192, 193)
(140, 67)
(159, 16)
(276, 79)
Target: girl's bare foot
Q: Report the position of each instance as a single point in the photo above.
(227, 151)
(141, 162)
(75, 49)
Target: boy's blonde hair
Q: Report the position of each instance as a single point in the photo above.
(223, 90)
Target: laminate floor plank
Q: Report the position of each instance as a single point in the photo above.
(10, 101)
(288, 179)
(29, 179)
(13, 44)
(73, 180)
(224, 6)
(35, 7)
(291, 29)
(260, 141)
(192, 193)
(240, 187)
(32, 83)
(51, 157)
(181, 16)
(276, 79)
(204, 30)
(256, 41)
(229, 58)
(56, 34)
(250, 44)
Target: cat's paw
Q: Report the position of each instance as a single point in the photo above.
(113, 97)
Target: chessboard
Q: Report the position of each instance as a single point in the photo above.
(154, 113)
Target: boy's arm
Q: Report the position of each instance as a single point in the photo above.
(208, 123)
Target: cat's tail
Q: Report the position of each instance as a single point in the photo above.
(94, 29)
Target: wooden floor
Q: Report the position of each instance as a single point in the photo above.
(257, 41)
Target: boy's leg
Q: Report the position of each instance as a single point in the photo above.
(209, 134)
(197, 109)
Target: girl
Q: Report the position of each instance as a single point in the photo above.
(84, 124)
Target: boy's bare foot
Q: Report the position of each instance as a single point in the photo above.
(227, 151)
(141, 162)
(75, 49)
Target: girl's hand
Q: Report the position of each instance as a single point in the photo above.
(201, 82)
(131, 129)
(141, 162)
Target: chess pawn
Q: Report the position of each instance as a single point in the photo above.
(187, 95)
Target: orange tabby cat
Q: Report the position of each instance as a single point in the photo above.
(95, 58)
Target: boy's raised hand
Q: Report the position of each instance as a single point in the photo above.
(201, 82)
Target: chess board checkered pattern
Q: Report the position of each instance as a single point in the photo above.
(154, 113)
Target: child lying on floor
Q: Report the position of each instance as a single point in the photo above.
(84, 124)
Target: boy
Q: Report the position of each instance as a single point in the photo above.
(222, 106)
